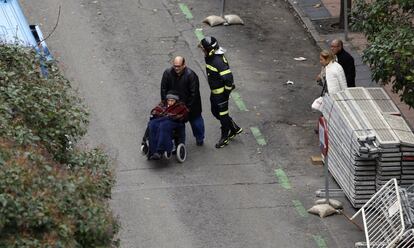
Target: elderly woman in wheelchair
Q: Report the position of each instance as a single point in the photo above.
(166, 129)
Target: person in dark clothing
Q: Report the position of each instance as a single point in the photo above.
(185, 81)
(220, 80)
(345, 60)
(169, 115)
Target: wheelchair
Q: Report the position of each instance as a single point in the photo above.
(179, 149)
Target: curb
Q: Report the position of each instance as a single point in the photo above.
(321, 43)
(308, 24)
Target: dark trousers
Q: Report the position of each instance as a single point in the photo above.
(161, 134)
(197, 125)
(220, 110)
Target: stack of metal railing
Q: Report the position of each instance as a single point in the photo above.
(365, 150)
(389, 159)
(406, 137)
(352, 149)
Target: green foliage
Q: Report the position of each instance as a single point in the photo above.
(33, 107)
(51, 194)
(44, 204)
(389, 28)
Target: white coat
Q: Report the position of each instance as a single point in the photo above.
(335, 77)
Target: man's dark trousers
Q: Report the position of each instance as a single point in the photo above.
(197, 125)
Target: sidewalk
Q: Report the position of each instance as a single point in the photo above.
(317, 15)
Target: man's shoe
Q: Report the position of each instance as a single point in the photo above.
(234, 133)
(155, 156)
(222, 142)
(199, 142)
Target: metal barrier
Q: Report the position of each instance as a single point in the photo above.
(383, 217)
(407, 240)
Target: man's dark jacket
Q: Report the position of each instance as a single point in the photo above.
(347, 62)
(187, 85)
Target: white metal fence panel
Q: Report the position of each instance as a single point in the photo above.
(383, 217)
(407, 240)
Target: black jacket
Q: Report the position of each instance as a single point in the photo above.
(347, 62)
(187, 85)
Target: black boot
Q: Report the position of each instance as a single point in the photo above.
(234, 130)
(224, 140)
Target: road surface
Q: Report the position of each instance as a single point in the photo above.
(252, 193)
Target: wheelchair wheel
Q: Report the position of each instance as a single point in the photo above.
(144, 149)
(181, 153)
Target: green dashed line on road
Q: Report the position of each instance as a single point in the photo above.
(283, 179)
(199, 33)
(300, 208)
(258, 135)
(186, 11)
(239, 102)
(320, 241)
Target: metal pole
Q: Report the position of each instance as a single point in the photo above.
(346, 19)
(326, 172)
(223, 2)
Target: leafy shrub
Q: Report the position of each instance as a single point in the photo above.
(47, 204)
(33, 107)
(389, 28)
(51, 194)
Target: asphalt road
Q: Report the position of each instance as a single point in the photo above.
(114, 52)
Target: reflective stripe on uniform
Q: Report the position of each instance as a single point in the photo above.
(225, 72)
(218, 90)
(228, 87)
(211, 68)
(224, 112)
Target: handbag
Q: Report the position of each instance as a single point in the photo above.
(317, 104)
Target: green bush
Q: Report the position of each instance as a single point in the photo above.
(47, 204)
(51, 194)
(34, 107)
(389, 28)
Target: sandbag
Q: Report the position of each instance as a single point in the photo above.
(214, 20)
(322, 210)
(233, 19)
(334, 203)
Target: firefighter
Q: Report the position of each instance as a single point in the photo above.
(220, 80)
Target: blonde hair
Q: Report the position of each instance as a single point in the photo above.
(327, 55)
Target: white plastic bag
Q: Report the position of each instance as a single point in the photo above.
(317, 104)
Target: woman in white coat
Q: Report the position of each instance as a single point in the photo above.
(332, 74)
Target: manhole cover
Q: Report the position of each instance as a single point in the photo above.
(327, 26)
